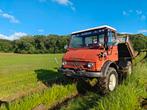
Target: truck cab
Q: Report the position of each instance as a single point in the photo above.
(98, 53)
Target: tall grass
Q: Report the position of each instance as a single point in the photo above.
(49, 98)
(140, 57)
(126, 97)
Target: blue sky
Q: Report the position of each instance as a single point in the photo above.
(21, 17)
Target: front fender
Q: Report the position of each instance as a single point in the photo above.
(106, 67)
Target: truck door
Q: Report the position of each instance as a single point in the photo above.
(112, 50)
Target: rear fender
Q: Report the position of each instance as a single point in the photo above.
(106, 67)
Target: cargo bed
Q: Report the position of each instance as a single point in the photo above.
(125, 48)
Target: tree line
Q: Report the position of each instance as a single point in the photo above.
(35, 44)
(139, 42)
(54, 44)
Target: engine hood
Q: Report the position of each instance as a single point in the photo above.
(90, 55)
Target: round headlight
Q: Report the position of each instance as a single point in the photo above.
(64, 63)
(90, 65)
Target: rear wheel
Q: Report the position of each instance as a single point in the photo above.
(108, 83)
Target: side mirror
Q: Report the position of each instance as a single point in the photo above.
(65, 47)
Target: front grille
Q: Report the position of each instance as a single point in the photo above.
(77, 65)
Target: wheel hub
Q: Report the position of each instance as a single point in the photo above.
(112, 82)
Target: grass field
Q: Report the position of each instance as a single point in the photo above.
(27, 81)
(20, 74)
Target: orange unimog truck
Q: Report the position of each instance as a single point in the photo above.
(98, 53)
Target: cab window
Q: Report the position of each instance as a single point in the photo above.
(111, 38)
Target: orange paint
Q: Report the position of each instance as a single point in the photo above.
(82, 56)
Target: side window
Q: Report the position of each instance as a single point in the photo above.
(76, 42)
(90, 40)
(101, 39)
(111, 38)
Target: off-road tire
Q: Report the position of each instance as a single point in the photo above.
(83, 86)
(103, 83)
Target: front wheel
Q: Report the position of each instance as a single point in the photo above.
(108, 83)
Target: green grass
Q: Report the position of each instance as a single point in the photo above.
(20, 74)
(48, 98)
(140, 57)
(31, 76)
(126, 97)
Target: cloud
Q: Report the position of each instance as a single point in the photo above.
(9, 17)
(62, 2)
(142, 31)
(14, 36)
(137, 13)
(66, 3)
(143, 17)
(126, 33)
(40, 30)
(125, 13)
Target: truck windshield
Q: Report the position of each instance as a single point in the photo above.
(86, 41)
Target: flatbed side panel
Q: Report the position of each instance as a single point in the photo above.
(125, 47)
(130, 48)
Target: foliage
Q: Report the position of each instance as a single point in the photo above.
(6, 45)
(139, 41)
(54, 44)
(35, 44)
(40, 44)
(140, 57)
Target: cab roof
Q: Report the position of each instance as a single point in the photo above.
(95, 28)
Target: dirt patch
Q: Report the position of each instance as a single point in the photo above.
(144, 103)
(40, 107)
(64, 102)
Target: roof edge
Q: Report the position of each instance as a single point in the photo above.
(99, 27)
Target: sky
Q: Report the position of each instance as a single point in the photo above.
(30, 17)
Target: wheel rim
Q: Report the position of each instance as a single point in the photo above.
(112, 82)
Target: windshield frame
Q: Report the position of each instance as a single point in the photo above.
(93, 33)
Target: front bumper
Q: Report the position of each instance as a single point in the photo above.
(81, 73)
